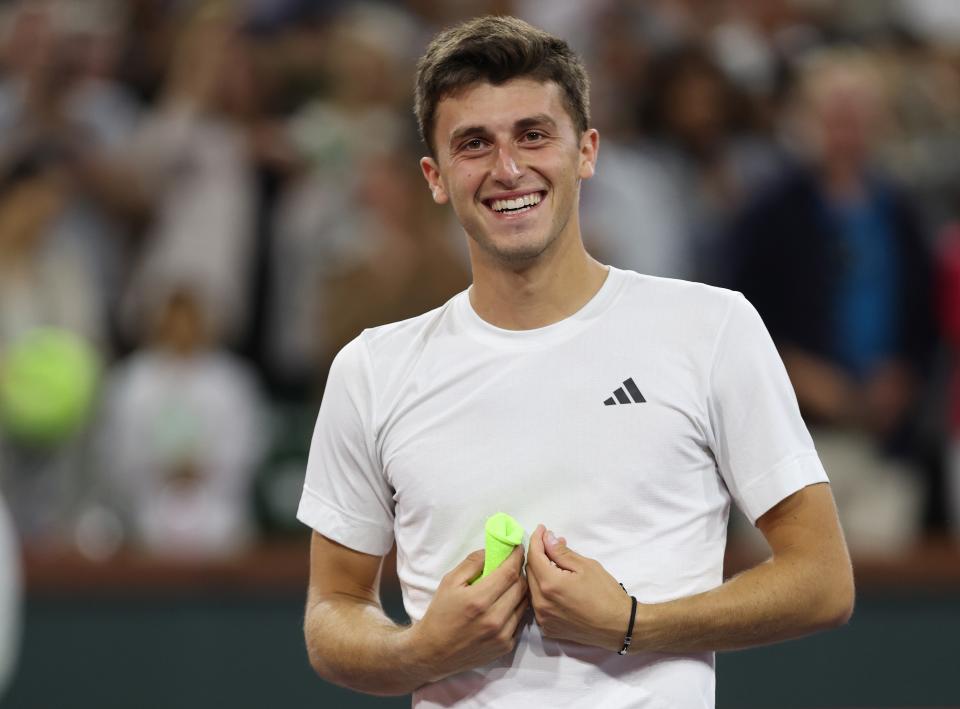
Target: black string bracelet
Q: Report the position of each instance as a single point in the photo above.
(628, 638)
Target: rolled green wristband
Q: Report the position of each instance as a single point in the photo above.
(502, 533)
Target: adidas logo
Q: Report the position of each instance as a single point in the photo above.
(622, 397)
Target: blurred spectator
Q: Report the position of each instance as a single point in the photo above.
(661, 203)
(412, 267)
(631, 218)
(256, 101)
(835, 260)
(321, 227)
(923, 146)
(194, 160)
(572, 19)
(44, 282)
(937, 20)
(181, 437)
(695, 123)
(58, 93)
(9, 599)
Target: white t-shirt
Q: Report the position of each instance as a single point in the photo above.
(161, 413)
(430, 425)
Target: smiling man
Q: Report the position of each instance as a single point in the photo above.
(624, 411)
(519, 209)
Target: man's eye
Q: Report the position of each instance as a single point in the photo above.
(474, 144)
(533, 135)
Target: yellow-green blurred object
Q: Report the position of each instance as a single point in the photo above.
(502, 533)
(48, 379)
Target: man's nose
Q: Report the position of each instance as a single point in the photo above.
(507, 168)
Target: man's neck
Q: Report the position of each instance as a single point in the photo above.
(539, 294)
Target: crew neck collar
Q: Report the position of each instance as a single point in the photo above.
(480, 329)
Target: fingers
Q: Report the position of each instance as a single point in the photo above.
(516, 617)
(503, 577)
(509, 609)
(537, 560)
(504, 604)
(493, 614)
(494, 584)
(468, 569)
(549, 554)
(559, 553)
(514, 562)
(539, 565)
(533, 585)
(538, 600)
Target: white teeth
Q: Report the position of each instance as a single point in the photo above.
(527, 200)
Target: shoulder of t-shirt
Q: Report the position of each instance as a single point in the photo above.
(687, 317)
(690, 299)
(394, 338)
(383, 353)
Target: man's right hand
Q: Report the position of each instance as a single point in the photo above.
(468, 626)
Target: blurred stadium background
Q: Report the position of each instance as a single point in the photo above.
(200, 202)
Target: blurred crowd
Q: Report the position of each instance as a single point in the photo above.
(201, 202)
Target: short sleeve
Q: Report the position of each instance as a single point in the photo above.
(345, 496)
(762, 447)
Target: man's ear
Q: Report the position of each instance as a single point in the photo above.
(589, 147)
(431, 173)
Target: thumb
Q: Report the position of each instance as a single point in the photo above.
(560, 554)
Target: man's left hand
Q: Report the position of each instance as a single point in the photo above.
(574, 597)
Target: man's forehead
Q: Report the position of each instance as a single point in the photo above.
(497, 106)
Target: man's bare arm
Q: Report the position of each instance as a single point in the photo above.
(351, 641)
(807, 585)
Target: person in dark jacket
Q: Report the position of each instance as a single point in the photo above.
(834, 258)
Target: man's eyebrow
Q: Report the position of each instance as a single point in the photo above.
(540, 119)
(460, 133)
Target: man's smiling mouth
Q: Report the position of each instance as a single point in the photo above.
(517, 205)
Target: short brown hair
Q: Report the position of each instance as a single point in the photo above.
(496, 50)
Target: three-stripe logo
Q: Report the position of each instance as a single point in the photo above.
(621, 395)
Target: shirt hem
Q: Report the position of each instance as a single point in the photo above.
(341, 527)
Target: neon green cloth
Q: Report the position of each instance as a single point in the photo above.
(502, 533)
(48, 380)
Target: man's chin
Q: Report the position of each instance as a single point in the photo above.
(517, 254)
(510, 247)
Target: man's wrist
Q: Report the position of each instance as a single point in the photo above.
(611, 633)
(628, 635)
(649, 627)
(622, 622)
(422, 656)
